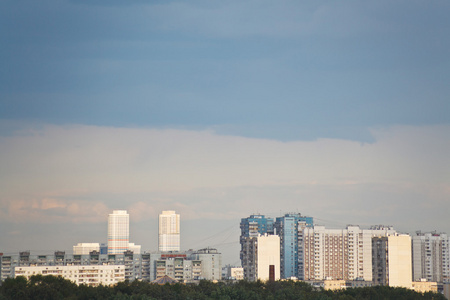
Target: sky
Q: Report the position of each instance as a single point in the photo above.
(339, 110)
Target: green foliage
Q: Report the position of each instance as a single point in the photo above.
(50, 287)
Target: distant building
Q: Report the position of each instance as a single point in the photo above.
(85, 248)
(251, 228)
(431, 257)
(137, 266)
(256, 224)
(340, 254)
(169, 231)
(91, 275)
(230, 272)
(179, 267)
(118, 232)
(424, 286)
(330, 284)
(258, 254)
(136, 249)
(391, 257)
(290, 230)
(268, 254)
(211, 263)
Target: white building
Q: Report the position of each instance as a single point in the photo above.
(268, 254)
(340, 254)
(230, 272)
(118, 232)
(136, 249)
(392, 260)
(85, 248)
(169, 231)
(431, 257)
(92, 275)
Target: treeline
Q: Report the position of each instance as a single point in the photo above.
(50, 287)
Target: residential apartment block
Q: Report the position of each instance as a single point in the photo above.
(340, 254)
(431, 257)
(392, 260)
(91, 275)
(193, 265)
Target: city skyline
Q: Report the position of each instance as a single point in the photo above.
(218, 110)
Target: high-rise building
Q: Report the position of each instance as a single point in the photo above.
(258, 254)
(340, 254)
(290, 230)
(431, 256)
(391, 256)
(169, 231)
(268, 257)
(256, 224)
(251, 228)
(118, 232)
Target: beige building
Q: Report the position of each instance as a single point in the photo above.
(425, 286)
(169, 231)
(392, 260)
(268, 253)
(236, 273)
(92, 275)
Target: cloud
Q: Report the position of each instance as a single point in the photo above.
(77, 173)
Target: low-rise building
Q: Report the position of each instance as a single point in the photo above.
(92, 275)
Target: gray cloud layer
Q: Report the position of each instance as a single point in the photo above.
(75, 175)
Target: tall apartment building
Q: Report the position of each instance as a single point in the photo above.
(258, 254)
(251, 228)
(118, 232)
(290, 230)
(431, 257)
(339, 254)
(256, 224)
(169, 231)
(392, 260)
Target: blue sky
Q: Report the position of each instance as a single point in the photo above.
(259, 86)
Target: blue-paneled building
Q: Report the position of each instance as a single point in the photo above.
(290, 229)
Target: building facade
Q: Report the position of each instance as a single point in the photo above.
(85, 248)
(256, 224)
(136, 266)
(185, 267)
(211, 263)
(392, 260)
(290, 230)
(268, 257)
(340, 254)
(258, 254)
(431, 257)
(169, 231)
(91, 275)
(118, 232)
(179, 267)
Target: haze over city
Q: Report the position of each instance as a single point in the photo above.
(217, 110)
